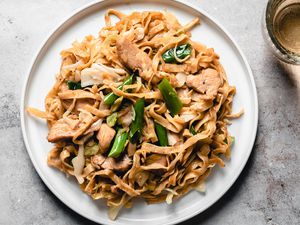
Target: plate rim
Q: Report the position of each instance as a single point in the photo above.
(40, 50)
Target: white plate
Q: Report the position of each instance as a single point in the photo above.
(40, 79)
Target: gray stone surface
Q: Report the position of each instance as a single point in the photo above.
(267, 192)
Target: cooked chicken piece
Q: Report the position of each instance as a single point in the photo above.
(112, 164)
(207, 83)
(105, 136)
(131, 149)
(97, 160)
(100, 161)
(125, 116)
(60, 130)
(134, 58)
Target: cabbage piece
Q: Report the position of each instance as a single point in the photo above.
(78, 164)
(98, 73)
(91, 150)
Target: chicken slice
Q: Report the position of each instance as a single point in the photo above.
(126, 116)
(134, 58)
(97, 160)
(60, 130)
(105, 136)
(206, 83)
(100, 161)
(112, 164)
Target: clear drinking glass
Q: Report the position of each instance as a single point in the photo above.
(281, 28)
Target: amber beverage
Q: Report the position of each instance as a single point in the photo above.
(282, 32)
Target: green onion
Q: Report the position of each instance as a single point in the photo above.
(170, 96)
(182, 51)
(137, 124)
(119, 144)
(112, 119)
(161, 133)
(192, 130)
(73, 85)
(110, 98)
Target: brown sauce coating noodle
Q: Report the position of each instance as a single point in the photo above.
(157, 173)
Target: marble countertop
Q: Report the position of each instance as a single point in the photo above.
(267, 191)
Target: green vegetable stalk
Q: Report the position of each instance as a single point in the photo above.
(161, 133)
(170, 96)
(112, 119)
(182, 51)
(73, 85)
(137, 124)
(119, 144)
(192, 130)
(110, 98)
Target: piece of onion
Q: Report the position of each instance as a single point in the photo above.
(78, 164)
(172, 138)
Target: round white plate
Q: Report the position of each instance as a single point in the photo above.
(41, 77)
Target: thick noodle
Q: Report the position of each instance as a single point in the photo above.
(145, 169)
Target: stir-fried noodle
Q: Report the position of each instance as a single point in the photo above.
(139, 111)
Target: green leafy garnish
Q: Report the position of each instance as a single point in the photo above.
(182, 51)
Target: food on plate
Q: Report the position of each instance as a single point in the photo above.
(141, 110)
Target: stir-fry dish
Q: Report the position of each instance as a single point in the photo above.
(141, 110)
